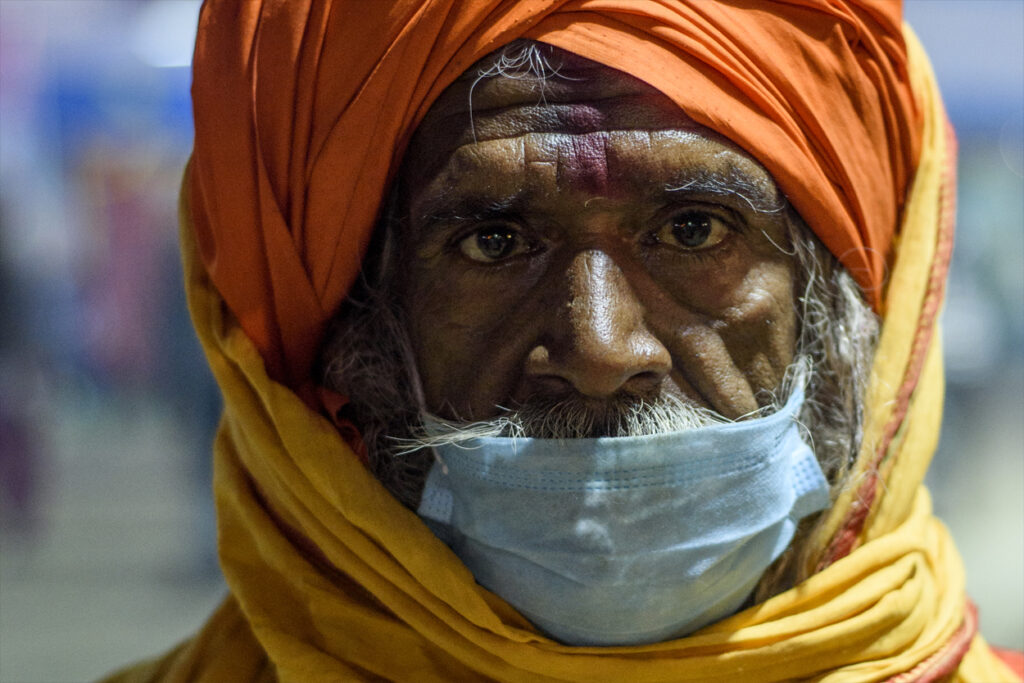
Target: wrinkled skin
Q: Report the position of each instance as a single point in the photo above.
(563, 240)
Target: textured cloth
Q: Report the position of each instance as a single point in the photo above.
(330, 577)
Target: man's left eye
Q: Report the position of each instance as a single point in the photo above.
(693, 231)
(488, 245)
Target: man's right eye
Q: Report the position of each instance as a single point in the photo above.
(487, 245)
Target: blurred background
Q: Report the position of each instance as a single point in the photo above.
(107, 410)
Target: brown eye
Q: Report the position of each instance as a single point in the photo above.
(493, 244)
(693, 230)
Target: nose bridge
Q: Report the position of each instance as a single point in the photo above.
(599, 343)
(603, 309)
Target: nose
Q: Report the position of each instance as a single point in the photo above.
(599, 342)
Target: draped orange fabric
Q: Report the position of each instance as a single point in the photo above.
(303, 109)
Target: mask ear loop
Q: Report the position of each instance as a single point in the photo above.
(798, 379)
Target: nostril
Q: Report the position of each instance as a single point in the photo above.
(598, 378)
(648, 377)
(634, 361)
(551, 384)
(644, 382)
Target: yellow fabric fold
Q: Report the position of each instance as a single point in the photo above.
(332, 579)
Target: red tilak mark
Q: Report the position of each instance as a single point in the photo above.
(583, 163)
(582, 118)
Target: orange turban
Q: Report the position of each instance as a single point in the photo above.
(303, 109)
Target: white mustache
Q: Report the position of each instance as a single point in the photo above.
(575, 417)
(578, 417)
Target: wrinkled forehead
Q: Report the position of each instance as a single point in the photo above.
(536, 88)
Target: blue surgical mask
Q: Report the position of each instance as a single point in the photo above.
(627, 540)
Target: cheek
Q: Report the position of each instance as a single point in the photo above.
(467, 348)
(713, 283)
(760, 327)
(731, 320)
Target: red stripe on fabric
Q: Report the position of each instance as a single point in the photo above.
(845, 540)
(1012, 659)
(949, 656)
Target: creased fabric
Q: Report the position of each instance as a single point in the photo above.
(332, 579)
(303, 110)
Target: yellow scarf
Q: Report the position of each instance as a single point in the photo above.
(332, 579)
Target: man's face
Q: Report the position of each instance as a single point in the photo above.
(587, 239)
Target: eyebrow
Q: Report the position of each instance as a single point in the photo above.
(734, 183)
(731, 184)
(456, 208)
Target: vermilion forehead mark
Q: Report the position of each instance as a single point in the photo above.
(583, 163)
(583, 117)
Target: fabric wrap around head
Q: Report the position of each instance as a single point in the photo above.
(303, 109)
